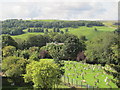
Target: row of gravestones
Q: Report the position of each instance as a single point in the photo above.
(84, 73)
(81, 83)
(83, 69)
(87, 66)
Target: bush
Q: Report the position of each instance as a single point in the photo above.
(14, 66)
(8, 51)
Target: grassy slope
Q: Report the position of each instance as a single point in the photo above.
(78, 68)
(26, 35)
(110, 24)
(87, 31)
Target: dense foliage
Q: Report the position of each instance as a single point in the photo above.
(99, 49)
(8, 51)
(44, 74)
(14, 66)
(71, 47)
(8, 40)
(115, 66)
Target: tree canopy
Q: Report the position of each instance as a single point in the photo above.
(43, 73)
(14, 66)
(71, 47)
(8, 40)
(98, 50)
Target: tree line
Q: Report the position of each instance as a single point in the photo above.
(46, 30)
(16, 27)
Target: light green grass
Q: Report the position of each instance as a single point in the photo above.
(89, 32)
(73, 71)
(26, 35)
(46, 59)
(110, 24)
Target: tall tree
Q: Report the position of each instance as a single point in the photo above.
(38, 41)
(8, 51)
(115, 64)
(14, 66)
(98, 49)
(71, 47)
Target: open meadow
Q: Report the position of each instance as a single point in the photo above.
(89, 32)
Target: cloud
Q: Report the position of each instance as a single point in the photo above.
(59, 10)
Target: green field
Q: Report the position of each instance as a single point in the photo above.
(26, 35)
(89, 32)
(76, 72)
(110, 23)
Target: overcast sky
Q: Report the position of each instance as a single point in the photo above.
(59, 9)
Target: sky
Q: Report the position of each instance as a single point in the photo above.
(59, 9)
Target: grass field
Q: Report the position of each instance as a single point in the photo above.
(26, 35)
(110, 23)
(93, 75)
(89, 32)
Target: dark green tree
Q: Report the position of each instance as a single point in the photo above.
(95, 29)
(7, 40)
(98, 50)
(8, 51)
(66, 30)
(61, 32)
(115, 64)
(71, 47)
(37, 40)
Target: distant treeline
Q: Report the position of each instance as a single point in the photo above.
(118, 23)
(16, 27)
